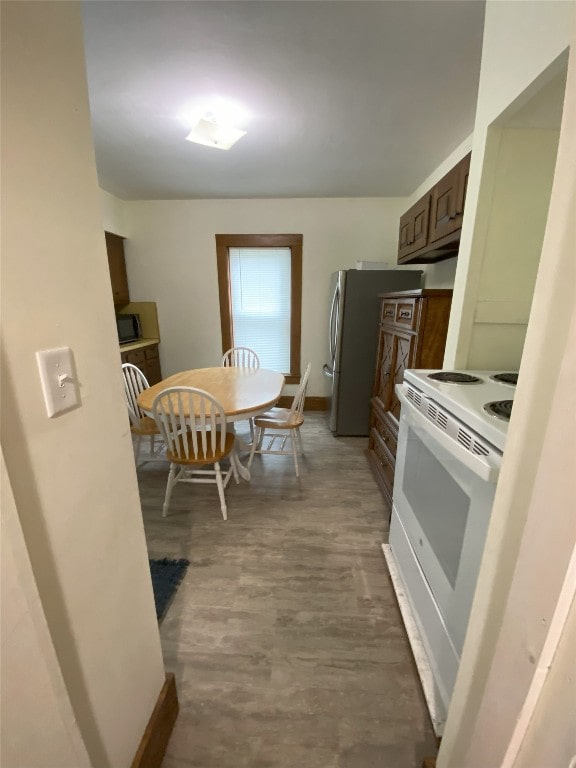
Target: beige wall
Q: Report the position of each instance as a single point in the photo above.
(551, 736)
(112, 212)
(521, 40)
(532, 531)
(73, 476)
(38, 726)
(520, 165)
(171, 259)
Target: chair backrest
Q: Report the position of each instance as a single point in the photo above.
(240, 357)
(134, 383)
(300, 396)
(191, 422)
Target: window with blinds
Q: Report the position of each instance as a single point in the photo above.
(260, 293)
(260, 287)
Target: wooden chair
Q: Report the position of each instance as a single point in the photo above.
(140, 425)
(193, 425)
(240, 357)
(280, 425)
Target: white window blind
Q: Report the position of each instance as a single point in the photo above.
(260, 303)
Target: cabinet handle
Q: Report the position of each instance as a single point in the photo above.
(406, 313)
(389, 313)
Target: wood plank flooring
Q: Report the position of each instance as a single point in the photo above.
(285, 637)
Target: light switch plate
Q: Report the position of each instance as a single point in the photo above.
(58, 378)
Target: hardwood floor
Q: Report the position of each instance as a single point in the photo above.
(285, 637)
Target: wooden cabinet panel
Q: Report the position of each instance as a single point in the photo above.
(388, 312)
(386, 343)
(403, 359)
(406, 315)
(384, 461)
(464, 166)
(153, 371)
(412, 334)
(135, 357)
(447, 207)
(151, 352)
(117, 267)
(430, 229)
(414, 227)
(147, 359)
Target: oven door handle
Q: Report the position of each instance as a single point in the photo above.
(480, 465)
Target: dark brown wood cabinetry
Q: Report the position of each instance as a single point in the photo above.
(447, 203)
(430, 229)
(147, 359)
(413, 328)
(117, 267)
(153, 371)
(414, 228)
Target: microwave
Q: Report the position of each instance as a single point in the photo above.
(128, 327)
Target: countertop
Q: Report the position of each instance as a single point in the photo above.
(140, 344)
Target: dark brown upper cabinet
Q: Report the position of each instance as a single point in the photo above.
(430, 230)
(414, 228)
(117, 266)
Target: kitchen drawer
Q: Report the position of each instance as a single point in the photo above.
(385, 462)
(151, 352)
(406, 313)
(153, 372)
(136, 357)
(388, 314)
(387, 434)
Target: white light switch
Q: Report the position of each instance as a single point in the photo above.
(58, 378)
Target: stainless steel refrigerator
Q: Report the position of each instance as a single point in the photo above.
(353, 336)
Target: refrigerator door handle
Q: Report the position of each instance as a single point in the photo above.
(328, 371)
(331, 329)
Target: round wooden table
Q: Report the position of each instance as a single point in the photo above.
(242, 392)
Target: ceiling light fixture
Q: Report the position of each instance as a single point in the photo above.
(211, 133)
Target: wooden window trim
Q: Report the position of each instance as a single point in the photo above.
(294, 242)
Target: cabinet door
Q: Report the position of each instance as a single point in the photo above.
(414, 228)
(117, 267)
(462, 185)
(384, 367)
(447, 207)
(403, 353)
(383, 462)
(153, 372)
(135, 357)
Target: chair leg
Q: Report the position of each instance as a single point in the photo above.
(294, 451)
(299, 434)
(256, 440)
(137, 452)
(220, 485)
(251, 423)
(169, 486)
(234, 464)
(151, 446)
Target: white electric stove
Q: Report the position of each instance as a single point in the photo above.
(452, 435)
(470, 397)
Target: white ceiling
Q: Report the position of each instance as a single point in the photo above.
(348, 98)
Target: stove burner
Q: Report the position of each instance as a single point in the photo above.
(505, 378)
(454, 377)
(501, 409)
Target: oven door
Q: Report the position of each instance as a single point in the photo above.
(443, 495)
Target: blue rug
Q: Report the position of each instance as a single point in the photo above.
(166, 577)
